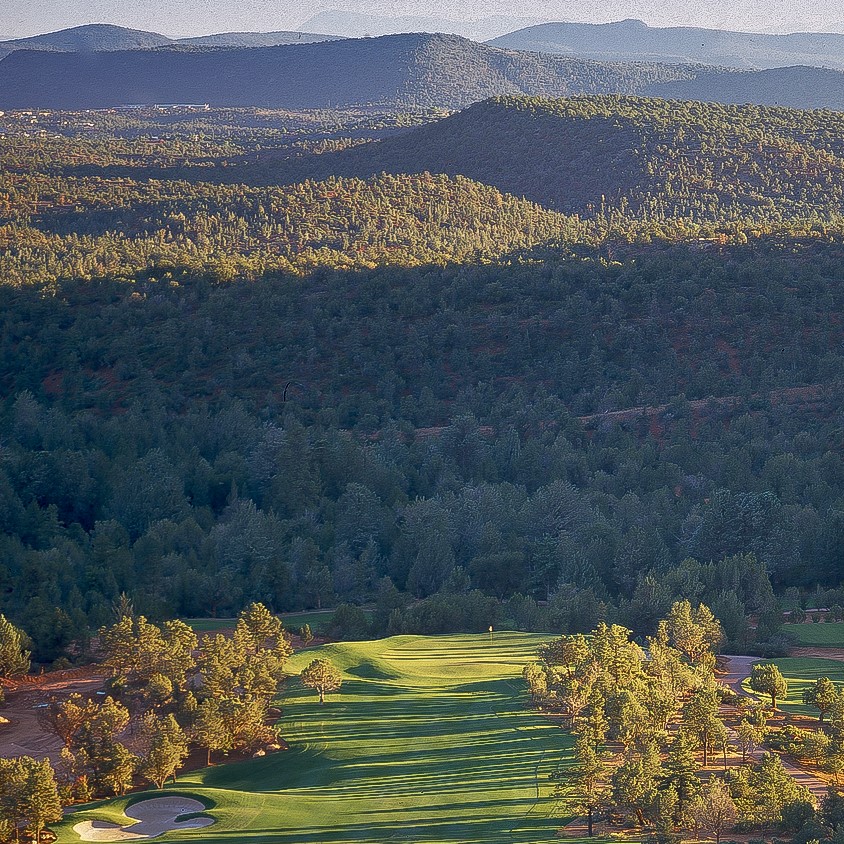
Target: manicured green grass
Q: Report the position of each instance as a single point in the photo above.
(821, 635)
(429, 740)
(800, 673)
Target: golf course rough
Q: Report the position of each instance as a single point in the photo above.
(429, 739)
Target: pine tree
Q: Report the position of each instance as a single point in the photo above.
(40, 804)
(583, 787)
(166, 749)
(14, 653)
(681, 772)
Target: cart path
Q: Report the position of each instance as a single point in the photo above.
(738, 669)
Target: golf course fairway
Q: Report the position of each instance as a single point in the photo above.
(430, 739)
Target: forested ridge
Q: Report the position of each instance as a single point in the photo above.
(398, 71)
(76, 202)
(646, 159)
(399, 390)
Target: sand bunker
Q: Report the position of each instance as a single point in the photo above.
(153, 817)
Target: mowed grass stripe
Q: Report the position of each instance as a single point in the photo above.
(801, 672)
(429, 740)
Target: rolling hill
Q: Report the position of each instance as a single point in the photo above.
(407, 743)
(650, 157)
(421, 71)
(88, 39)
(633, 40)
(94, 38)
(255, 39)
(358, 24)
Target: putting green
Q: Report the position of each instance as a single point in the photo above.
(429, 740)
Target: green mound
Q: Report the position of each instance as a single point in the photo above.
(429, 740)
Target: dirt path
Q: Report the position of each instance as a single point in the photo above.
(23, 735)
(737, 670)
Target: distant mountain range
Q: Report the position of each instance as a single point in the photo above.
(357, 25)
(420, 71)
(794, 87)
(633, 40)
(106, 38)
(398, 71)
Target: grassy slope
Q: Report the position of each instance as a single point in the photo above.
(800, 673)
(824, 635)
(428, 740)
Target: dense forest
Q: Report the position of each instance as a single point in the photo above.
(416, 392)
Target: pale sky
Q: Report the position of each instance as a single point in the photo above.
(179, 18)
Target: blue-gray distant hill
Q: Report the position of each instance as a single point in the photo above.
(396, 71)
(794, 87)
(415, 70)
(255, 39)
(88, 39)
(359, 24)
(95, 38)
(633, 40)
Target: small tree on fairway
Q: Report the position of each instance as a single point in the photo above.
(822, 695)
(323, 676)
(767, 680)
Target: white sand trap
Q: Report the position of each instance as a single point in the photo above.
(152, 818)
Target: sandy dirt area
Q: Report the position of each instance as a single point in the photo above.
(151, 818)
(23, 735)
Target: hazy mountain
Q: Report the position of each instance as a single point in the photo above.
(94, 38)
(632, 40)
(358, 25)
(653, 158)
(255, 39)
(794, 87)
(88, 39)
(442, 71)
